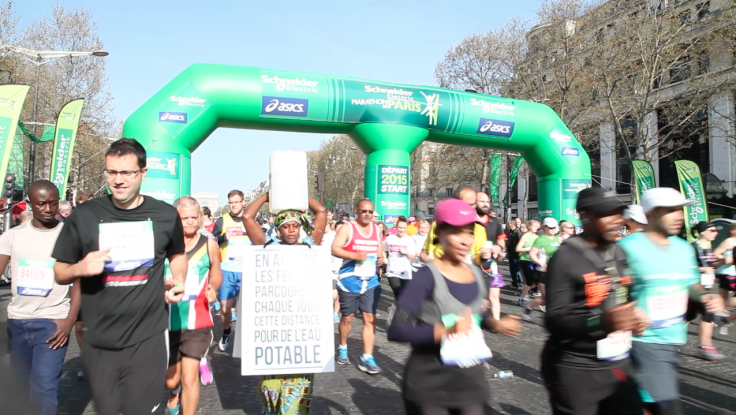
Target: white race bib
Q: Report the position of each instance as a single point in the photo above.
(131, 246)
(236, 247)
(35, 277)
(465, 350)
(707, 280)
(367, 268)
(668, 309)
(614, 347)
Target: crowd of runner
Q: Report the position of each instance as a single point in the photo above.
(149, 277)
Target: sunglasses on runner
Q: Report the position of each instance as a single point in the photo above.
(366, 211)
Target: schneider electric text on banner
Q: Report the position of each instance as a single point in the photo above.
(285, 319)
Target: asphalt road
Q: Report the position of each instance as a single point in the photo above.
(707, 387)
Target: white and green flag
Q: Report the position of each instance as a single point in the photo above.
(66, 135)
(11, 104)
(691, 186)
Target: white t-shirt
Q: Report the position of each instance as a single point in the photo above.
(399, 263)
(35, 291)
(335, 262)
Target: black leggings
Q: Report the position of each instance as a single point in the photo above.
(695, 308)
(416, 409)
(397, 285)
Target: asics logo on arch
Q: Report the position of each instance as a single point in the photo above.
(296, 107)
(495, 127)
(178, 117)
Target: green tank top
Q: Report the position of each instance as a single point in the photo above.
(524, 256)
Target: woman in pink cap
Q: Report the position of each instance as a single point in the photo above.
(440, 314)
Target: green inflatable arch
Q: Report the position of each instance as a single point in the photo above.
(387, 121)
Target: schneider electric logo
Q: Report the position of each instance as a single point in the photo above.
(493, 107)
(188, 101)
(570, 151)
(495, 127)
(291, 84)
(295, 107)
(178, 117)
(560, 137)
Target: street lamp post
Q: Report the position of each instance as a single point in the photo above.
(40, 58)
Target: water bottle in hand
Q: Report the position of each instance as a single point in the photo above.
(504, 374)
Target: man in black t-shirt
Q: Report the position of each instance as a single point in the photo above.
(585, 363)
(115, 248)
(494, 230)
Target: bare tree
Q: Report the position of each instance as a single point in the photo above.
(65, 79)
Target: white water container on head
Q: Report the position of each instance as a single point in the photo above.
(288, 179)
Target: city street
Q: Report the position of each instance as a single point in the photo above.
(707, 387)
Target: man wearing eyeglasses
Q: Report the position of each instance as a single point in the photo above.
(230, 232)
(359, 245)
(115, 247)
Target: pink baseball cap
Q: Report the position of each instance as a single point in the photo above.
(455, 212)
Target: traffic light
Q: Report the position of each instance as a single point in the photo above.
(9, 186)
(320, 182)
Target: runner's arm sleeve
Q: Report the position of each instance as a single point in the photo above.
(217, 230)
(406, 326)
(176, 244)
(68, 247)
(6, 244)
(564, 318)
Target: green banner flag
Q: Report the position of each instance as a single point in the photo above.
(16, 165)
(516, 163)
(691, 186)
(48, 133)
(66, 135)
(12, 98)
(496, 161)
(643, 177)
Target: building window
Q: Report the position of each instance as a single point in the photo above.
(681, 71)
(430, 210)
(703, 10)
(532, 183)
(685, 18)
(448, 192)
(703, 62)
(546, 79)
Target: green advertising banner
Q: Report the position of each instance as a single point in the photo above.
(65, 137)
(691, 186)
(11, 104)
(515, 167)
(496, 161)
(643, 177)
(164, 170)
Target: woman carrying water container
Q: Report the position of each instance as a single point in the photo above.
(440, 314)
(286, 394)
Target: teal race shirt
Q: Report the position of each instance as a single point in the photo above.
(661, 280)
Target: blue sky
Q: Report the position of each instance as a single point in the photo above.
(151, 41)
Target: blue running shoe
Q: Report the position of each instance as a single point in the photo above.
(342, 356)
(369, 366)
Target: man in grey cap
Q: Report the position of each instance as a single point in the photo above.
(665, 284)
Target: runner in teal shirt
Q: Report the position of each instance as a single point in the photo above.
(662, 276)
(666, 286)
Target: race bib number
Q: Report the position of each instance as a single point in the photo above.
(236, 247)
(614, 347)
(398, 261)
(130, 243)
(707, 280)
(667, 310)
(366, 269)
(465, 349)
(35, 277)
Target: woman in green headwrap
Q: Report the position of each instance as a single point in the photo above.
(287, 394)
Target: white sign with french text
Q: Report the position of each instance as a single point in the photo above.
(285, 311)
